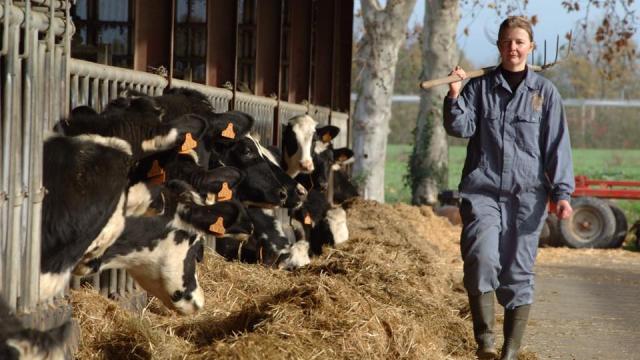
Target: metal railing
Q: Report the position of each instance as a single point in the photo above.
(219, 98)
(286, 111)
(262, 109)
(341, 120)
(321, 114)
(34, 49)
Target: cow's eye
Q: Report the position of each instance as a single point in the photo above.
(177, 296)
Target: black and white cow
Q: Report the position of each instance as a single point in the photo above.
(142, 130)
(86, 177)
(268, 245)
(20, 343)
(323, 224)
(160, 251)
(297, 139)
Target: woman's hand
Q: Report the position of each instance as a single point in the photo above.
(454, 87)
(563, 209)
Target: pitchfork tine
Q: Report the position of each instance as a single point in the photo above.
(557, 47)
(544, 59)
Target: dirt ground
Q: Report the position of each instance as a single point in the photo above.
(586, 305)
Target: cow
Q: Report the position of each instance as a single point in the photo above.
(323, 223)
(160, 248)
(142, 130)
(20, 343)
(86, 177)
(268, 245)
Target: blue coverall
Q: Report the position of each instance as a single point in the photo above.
(518, 154)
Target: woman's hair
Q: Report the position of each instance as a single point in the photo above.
(515, 22)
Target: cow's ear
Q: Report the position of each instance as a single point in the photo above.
(230, 126)
(186, 192)
(327, 133)
(343, 155)
(190, 123)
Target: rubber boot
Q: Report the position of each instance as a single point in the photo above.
(483, 316)
(515, 321)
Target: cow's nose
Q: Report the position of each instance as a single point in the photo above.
(306, 165)
(324, 186)
(283, 194)
(301, 191)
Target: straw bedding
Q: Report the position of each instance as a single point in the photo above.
(393, 291)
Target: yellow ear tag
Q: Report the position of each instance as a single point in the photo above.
(156, 175)
(228, 132)
(307, 219)
(326, 137)
(225, 193)
(189, 144)
(217, 228)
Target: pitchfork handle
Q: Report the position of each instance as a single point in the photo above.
(470, 75)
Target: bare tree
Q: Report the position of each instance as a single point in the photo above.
(428, 168)
(384, 32)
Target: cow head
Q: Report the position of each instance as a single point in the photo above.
(297, 140)
(141, 129)
(18, 343)
(167, 270)
(260, 187)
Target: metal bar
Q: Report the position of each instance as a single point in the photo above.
(104, 93)
(12, 112)
(4, 50)
(84, 91)
(106, 72)
(36, 189)
(95, 95)
(74, 91)
(27, 29)
(608, 194)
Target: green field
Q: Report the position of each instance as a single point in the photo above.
(594, 163)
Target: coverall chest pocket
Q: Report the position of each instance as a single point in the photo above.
(527, 127)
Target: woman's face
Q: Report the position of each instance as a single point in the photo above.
(514, 46)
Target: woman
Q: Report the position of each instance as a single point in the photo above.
(518, 156)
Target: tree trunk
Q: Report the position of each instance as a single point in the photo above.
(384, 33)
(428, 169)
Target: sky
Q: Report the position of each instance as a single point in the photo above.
(479, 46)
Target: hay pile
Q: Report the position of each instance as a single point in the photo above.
(393, 291)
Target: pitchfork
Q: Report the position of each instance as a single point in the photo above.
(477, 73)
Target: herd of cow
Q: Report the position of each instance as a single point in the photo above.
(144, 184)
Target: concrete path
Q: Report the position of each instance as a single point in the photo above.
(587, 305)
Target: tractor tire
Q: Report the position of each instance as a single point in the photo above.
(621, 226)
(592, 224)
(550, 235)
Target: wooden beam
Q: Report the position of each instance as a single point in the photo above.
(221, 46)
(343, 42)
(267, 46)
(323, 53)
(152, 34)
(300, 48)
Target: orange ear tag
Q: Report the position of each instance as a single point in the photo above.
(217, 228)
(225, 193)
(307, 219)
(189, 144)
(326, 137)
(228, 132)
(156, 175)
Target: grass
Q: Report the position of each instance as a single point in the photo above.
(610, 164)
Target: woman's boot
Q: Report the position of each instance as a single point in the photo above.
(515, 321)
(483, 316)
